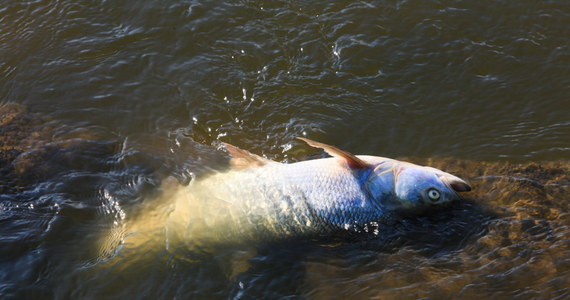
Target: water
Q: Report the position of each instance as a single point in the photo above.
(109, 98)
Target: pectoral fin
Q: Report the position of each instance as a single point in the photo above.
(351, 160)
(244, 159)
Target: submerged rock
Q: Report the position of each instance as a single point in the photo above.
(21, 132)
(33, 147)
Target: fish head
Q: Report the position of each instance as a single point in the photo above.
(409, 187)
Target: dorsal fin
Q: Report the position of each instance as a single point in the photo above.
(351, 160)
(244, 159)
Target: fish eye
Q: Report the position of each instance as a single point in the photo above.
(433, 194)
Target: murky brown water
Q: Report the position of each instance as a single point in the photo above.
(102, 100)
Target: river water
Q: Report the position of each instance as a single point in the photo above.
(101, 100)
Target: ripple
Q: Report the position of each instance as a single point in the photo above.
(146, 90)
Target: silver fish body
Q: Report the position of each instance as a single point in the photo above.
(278, 200)
(273, 200)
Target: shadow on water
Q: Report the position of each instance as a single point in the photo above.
(434, 235)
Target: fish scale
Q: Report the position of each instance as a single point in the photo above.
(277, 200)
(258, 199)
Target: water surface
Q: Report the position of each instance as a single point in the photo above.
(110, 98)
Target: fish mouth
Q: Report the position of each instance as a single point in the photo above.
(460, 186)
(455, 183)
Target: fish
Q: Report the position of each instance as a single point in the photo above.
(258, 199)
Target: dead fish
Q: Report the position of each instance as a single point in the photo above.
(259, 199)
